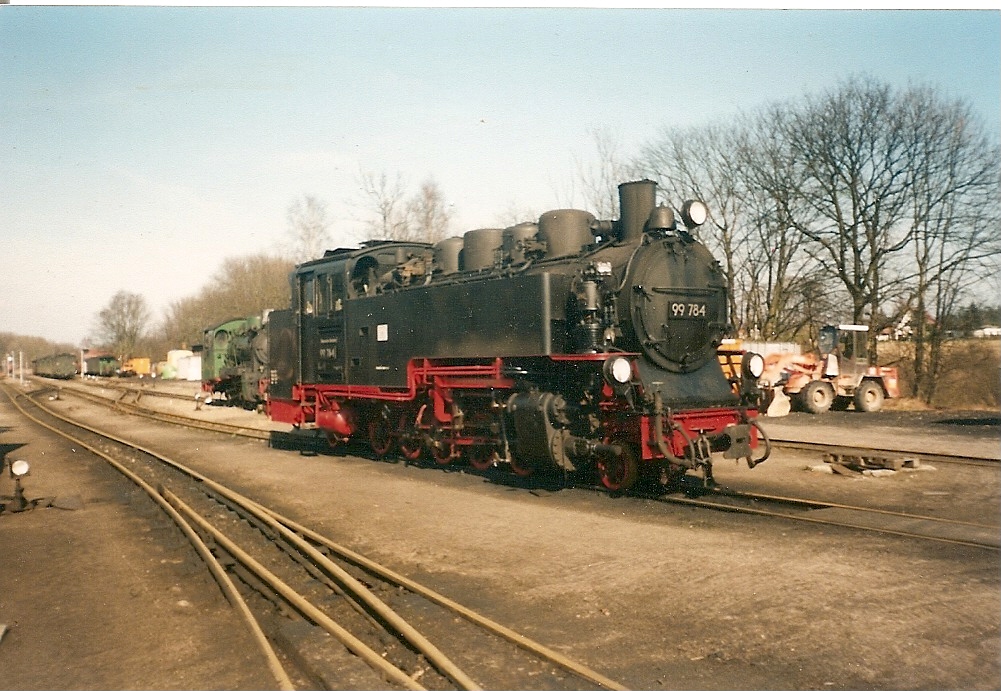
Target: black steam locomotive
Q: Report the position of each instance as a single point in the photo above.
(574, 344)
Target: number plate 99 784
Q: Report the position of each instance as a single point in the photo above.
(688, 310)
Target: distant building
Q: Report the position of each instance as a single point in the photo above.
(904, 330)
(987, 332)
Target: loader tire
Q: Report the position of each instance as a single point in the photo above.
(868, 397)
(816, 397)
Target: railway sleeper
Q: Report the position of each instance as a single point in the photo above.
(858, 462)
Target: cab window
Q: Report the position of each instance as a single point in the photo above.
(336, 292)
(307, 300)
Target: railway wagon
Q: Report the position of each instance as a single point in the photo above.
(58, 366)
(234, 358)
(571, 345)
(136, 367)
(101, 366)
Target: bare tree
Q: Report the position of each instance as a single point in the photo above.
(878, 171)
(600, 178)
(241, 287)
(386, 200)
(514, 214)
(851, 150)
(423, 217)
(953, 184)
(248, 285)
(182, 325)
(122, 322)
(428, 214)
(308, 228)
(698, 162)
(28, 347)
(783, 291)
(829, 192)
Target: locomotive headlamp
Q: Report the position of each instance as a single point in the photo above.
(694, 213)
(753, 365)
(618, 370)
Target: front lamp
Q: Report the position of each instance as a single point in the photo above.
(752, 366)
(19, 469)
(618, 370)
(694, 213)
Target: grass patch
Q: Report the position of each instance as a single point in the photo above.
(970, 378)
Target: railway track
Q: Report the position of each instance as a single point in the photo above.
(133, 407)
(883, 453)
(126, 385)
(971, 534)
(788, 508)
(137, 393)
(272, 569)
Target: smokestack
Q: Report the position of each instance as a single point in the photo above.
(636, 201)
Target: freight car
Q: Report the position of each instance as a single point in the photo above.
(234, 359)
(136, 367)
(101, 366)
(59, 366)
(572, 345)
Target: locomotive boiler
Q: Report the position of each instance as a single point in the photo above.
(573, 344)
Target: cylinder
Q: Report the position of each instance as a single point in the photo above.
(636, 200)
(481, 248)
(446, 255)
(565, 231)
(514, 239)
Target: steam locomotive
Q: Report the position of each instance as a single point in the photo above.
(571, 345)
(234, 361)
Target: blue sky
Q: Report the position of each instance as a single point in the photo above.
(141, 146)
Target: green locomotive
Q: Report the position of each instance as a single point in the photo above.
(234, 361)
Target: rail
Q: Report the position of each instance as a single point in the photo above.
(302, 542)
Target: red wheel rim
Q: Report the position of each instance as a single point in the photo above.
(520, 469)
(380, 436)
(481, 457)
(443, 453)
(409, 443)
(618, 473)
(410, 449)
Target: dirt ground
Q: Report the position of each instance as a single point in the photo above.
(104, 594)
